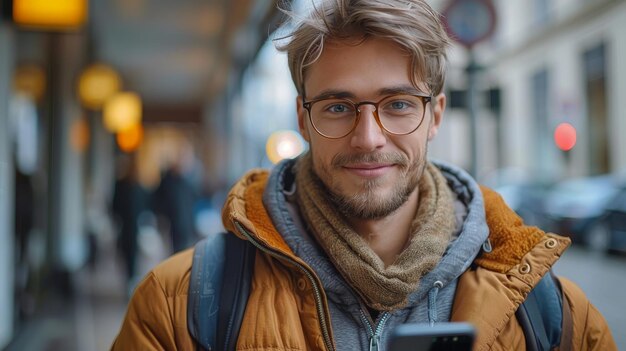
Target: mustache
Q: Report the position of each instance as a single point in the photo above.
(396, 158)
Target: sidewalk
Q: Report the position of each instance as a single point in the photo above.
(89, 319)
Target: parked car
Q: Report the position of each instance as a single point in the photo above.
(578, 208)
(616, 223)
(528, 201)
(522, 193)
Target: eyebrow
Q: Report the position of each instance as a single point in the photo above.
(333, 93)
(343, 94)
(401, 89)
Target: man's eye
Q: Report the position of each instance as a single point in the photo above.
(398, 105)
(339, 108)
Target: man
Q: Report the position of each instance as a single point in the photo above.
(363, 233)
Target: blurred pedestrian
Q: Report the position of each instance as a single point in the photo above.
(130, 200)
(24, 221)
(174, 199)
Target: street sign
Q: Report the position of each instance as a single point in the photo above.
(470, 21)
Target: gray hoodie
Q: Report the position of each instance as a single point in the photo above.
(430, 303)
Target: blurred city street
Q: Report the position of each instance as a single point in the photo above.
(90, 319)
(602, 278)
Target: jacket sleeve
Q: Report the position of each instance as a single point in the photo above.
(148, 322)
(590, 330)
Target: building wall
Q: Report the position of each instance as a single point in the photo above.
(521, 50)
(617, 86)
(6, 190)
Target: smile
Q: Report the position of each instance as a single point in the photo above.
(368, 170)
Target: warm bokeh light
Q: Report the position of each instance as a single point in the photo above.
(122, 111)
(79, 135)
(50, 14)
(97, 84)
(565, 136)
(283, 144)
(30, 80)
(130, 139)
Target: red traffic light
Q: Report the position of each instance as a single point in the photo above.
(565, 136)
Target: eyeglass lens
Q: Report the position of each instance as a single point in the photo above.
(398, 114)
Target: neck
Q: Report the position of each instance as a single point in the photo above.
(388, 236)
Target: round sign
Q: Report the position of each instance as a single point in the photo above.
(470, 21)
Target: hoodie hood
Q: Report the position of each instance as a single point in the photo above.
(472, 233)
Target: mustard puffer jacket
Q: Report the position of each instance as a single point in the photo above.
(287, 308)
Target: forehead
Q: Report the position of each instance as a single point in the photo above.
(361, 67)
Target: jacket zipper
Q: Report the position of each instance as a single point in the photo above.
(316, 288)
(375, 333)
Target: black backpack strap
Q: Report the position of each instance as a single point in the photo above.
(568, 323)
(541, 315)
(205, 290)
(240, 255)
(219, 286)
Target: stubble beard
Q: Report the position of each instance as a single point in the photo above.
(370, 202)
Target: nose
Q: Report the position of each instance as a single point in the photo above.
(368, 134)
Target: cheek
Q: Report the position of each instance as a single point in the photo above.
(323, 150)
(414, 147)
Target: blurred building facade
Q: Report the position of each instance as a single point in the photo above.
(6, 184)
(548, 62)
(565, 59)
(183, 60)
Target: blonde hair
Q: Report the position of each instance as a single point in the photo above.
(412, 24)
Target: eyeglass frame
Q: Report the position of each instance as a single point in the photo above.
(424, 98)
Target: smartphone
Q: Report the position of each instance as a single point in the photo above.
(440, 337)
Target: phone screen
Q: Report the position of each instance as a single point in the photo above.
(441, 337)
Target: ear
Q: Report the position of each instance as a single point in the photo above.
(303, 126)
(438, 107)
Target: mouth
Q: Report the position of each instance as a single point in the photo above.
(369, 170)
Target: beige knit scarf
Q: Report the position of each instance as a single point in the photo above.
(381, 288)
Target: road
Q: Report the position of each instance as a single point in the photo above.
(603, 278)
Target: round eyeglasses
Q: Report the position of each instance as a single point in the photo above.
(398, 114)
